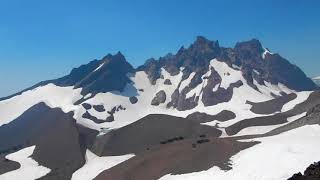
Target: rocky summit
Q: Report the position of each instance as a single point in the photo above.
(204, 112)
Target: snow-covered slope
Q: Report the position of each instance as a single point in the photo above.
(52, 95)
(29, 169)
(233, 92)
(65, 97)
(276, 157)
(95, 165)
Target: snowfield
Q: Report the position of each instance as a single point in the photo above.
(301, 97)
(52, 95)
(95, 165)
(64, 98)
(29, 169)
(275, 158)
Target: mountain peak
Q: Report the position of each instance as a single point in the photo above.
(120, 55)
(253, 45)
(202, 42)
(117, 57)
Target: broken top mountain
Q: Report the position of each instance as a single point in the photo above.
(204, 112)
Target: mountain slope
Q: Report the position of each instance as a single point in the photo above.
(200, 110)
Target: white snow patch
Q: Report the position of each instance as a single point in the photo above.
(276, 157)
(227, 74)
(95, 165)
(301, 97)
(266, 51)
(237, 105)
(296, 117)
(195, 91)
(52, 95)
(236, 67)
(29, 168)
(186, 82)
(270, 89)
(87, 96)
(100, 66)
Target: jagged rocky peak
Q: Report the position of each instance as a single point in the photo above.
(252, 47)
(152, 69)
(256, 64)
(197, 54)
(117, 60)
(195, 58)
(256, 67)
(202, 45)
(110, 75)
(251, 57)
(107, 74)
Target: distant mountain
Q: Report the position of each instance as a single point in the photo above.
(317, 80)
(204, 112)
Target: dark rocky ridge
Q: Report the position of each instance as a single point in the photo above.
(224, 115)
(147, 132)
(111, 76)
(60, 142)
(311, 173)
(276, 119)
(177, 158)
(247, 55)
(271, 106)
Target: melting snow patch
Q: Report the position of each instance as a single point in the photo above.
(301, 97)
(270, 89)
(95, 165)
(227, 74)
(266, 51)
(87, 96)
(29, 169)
(186, 82)
(100, 66)
(276, 157)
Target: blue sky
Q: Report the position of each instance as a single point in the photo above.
(41, 40)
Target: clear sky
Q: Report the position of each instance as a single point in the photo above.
(42, 39)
